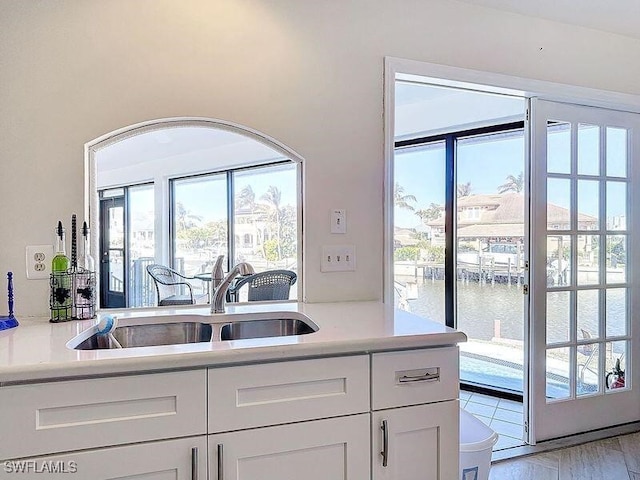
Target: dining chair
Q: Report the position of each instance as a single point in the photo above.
(267, 285)
(171, 286)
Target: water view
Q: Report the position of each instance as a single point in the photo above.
(492, 316)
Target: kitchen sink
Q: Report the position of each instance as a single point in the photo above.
(148, 332)
(265, 328)
(151, 334)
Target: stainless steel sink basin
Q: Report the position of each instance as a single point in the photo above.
(264, 328)
(151, 334)
(184, 329)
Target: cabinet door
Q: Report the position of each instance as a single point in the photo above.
(416, 443)
(183, 459)
(330, 449)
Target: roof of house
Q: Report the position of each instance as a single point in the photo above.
(506, 209)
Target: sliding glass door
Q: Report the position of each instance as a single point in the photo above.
(127, 239)
(476, 282)
(490, 257)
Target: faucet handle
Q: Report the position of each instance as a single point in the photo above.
(217, 274)
(245, 268)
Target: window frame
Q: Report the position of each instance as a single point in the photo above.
(230, 196)
(91, 200)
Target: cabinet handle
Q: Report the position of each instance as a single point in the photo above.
(194, 463)
(220, 468)
(385, 443)
(425, 375)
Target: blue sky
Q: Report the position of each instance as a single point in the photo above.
(206, 196)
(485, 165)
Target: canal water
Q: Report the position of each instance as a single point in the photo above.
(487, 311)
(494, 314)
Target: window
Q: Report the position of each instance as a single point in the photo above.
(256, 207)
(210, 188)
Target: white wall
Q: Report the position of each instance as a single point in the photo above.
(308, 73)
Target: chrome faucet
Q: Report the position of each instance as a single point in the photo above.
(220, 293)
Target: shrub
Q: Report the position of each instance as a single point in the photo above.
(406, 253)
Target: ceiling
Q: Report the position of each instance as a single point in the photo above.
(180, 143)
(614, 16)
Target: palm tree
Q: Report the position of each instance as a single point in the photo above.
(246, 198)
(401, 200)
(185, 218)
(513, 184)
(464, 190)
(432, 212)
(272, 200)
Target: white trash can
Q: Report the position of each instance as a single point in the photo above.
(476, 445)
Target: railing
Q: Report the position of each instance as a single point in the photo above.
(142, 291)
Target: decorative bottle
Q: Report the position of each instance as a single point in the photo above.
(60, 301)
(85, 285)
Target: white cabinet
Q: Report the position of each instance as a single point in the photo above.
(312, 419)
(416, 443)
(182, 459)
(80, 414)
(274, 396)
(415, 418)
(335, 448)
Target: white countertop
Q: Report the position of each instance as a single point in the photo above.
(36, 350)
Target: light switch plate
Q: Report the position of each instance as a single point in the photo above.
(39, 258)
(338, 258)
(338, 220)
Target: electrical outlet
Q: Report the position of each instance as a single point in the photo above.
(39, 258)
(338, 258)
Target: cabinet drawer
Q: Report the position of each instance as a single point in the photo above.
(78, 414)
(269, 394)
(413, 377)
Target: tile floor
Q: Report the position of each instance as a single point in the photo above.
(616, 458)
(503, 416)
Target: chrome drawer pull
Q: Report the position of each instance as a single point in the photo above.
(385, 443)
(194, 463)
(220, 468)
(422, 375)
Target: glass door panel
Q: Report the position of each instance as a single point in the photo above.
(112, 261)
(265, 219)
(266, 209)
(581, 344)
(419, 230)
(199, 222)
(141, 245)
(616, 154)
(490, 261)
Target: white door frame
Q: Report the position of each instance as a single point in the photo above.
(444, 75)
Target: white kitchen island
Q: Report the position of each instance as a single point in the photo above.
(371, 395)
